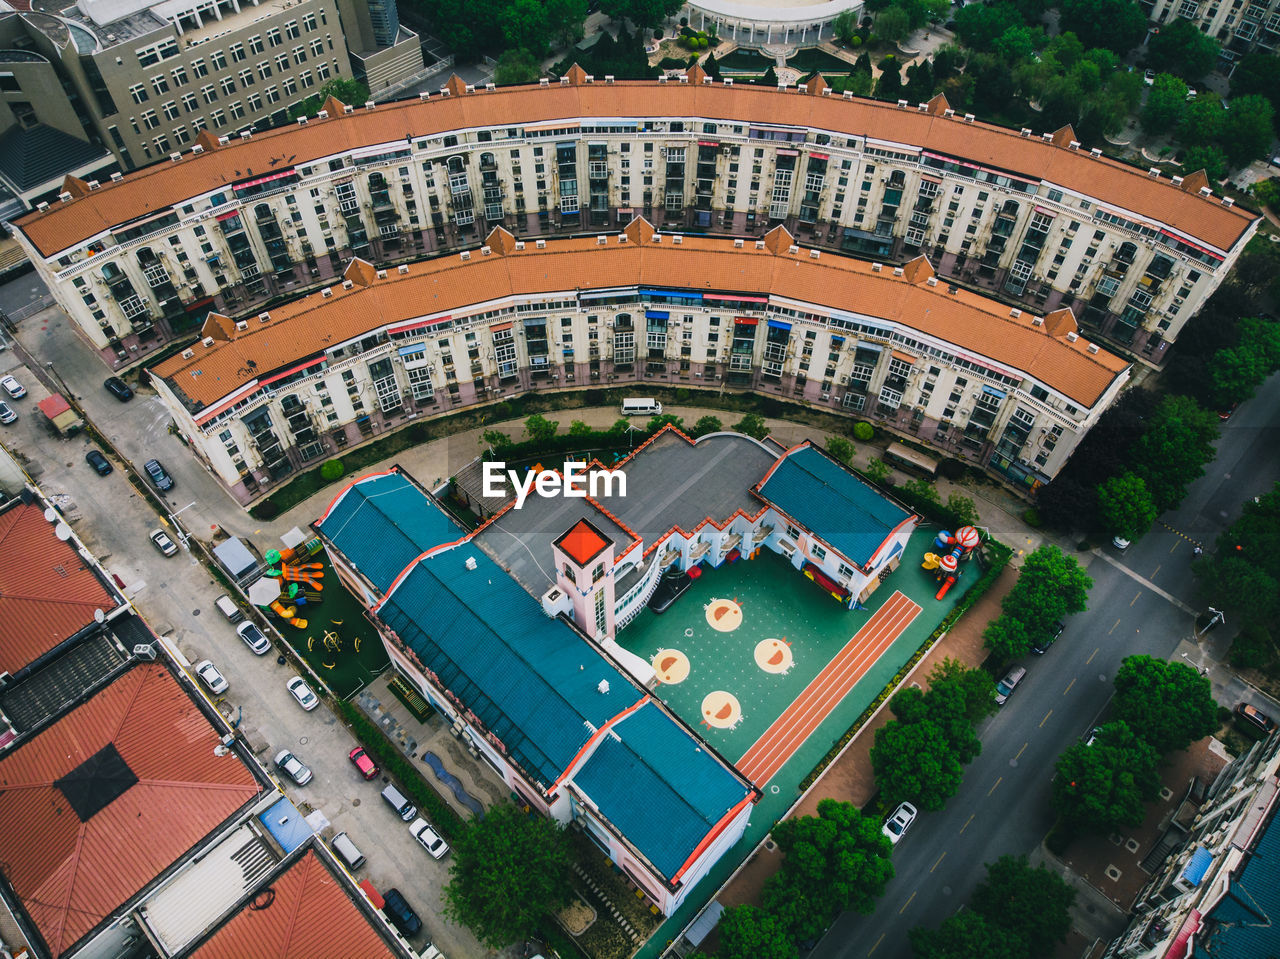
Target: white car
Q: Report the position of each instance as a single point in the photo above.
(161, 541)
(210, 676)
(7, 414)
(254, 638)
(293, 767)
(302, 693)
(1120, 543)
(431, 841)
(897, 824)
(13, 387)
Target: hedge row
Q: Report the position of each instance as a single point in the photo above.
(447, 822)
(1000, 556)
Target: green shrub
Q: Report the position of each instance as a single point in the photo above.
(951, 469)
(331, 470)
(863, 432)
(1031, 516)
(393, 762)
(267, 509)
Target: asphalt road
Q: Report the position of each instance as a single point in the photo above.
(1141, 602)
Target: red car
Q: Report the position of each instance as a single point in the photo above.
(368, 769)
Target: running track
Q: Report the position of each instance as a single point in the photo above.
(798, 721)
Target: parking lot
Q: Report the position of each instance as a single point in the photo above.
(176, 595)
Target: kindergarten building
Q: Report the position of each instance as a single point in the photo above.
(510, 631)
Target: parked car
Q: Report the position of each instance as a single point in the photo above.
(897, 824)
(1093, 735)
(1120, 543)
(163, 481)
(1149, 78)
(13, 387)
(431, 840)
(1041, 645)
(1225, 414)
(300, 691)
(101, 465)
(1006, 686)
(118, 388)
(210, 676)
(293, 767)
(1255, 717)
(7, 413)
(401, 913)
(366, 766)
(161, 541)
(254, 638)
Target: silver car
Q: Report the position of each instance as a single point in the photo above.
(293, 767)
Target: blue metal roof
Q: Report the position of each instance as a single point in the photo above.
(1197, 865)
(286, 824)
(832, 503)
(659, 787)
(1242, 924)
(380, 525)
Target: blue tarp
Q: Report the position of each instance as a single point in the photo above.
(286, 824)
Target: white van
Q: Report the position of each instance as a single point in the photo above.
(228, 608)
(396, 800)
(347, 851)
(641, 406)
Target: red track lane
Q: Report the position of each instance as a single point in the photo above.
(798, 721)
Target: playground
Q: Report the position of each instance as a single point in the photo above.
(770, 669)
(326, 626)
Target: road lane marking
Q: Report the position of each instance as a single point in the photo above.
(1069, 685)
(1045, 720)
(1156, 570)
(1173, 547)
(966, 823)
(993, 788)
(1022, 750)
(1113, 628)
(1136, 596)
(1095, 652)
(877, 945)
(907, 903)
(935, 865)
(1166, 596)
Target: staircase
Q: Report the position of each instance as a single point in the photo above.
(609, 907)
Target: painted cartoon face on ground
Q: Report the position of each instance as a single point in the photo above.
(724, 615)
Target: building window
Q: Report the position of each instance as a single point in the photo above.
(237, 52)
(139, 93)
(218, 60)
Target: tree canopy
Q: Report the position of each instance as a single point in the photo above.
(1165, 105)
(1116, 25)
(643, 13)
(509, 869)
(351, 92)
(1247, 130)
(753, 425)
(1125, 506)
(915, 762)
(1180, 48)
(966, 935)
(1243, 574)
(1174, 449)
(1259, 72)
(1170, 705)
(1030, 904)
(836, 860)
(749, 932)
(516, 66)
(1050, 587)
(1102, 786)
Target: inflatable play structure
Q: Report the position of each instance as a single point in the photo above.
(299, 581)
(956, 550)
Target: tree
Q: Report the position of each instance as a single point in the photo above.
(845, 25)
(841, 449)
(643, 13)
(1117, 25)
(919, 82)
(753, 425)
(496, 440)
(1243, 574)
(516, 66)
(836, 860)
(332, 469)
(707, 424)
(1182, 49)
(1259, 73)
(1170, 705)
(1246, 131)
(1050, 587)
(878, 470)
(962, 506)
(748, 932)
(565, 20)
(978, 26)
(1017, 43)
(975, 687)
(509, 870)
(524, 24)
(1165, 105)
(1211, 159)
(889, 85)
(915, 762)
(1174, 449)
(351, 92)
(541, 429)
(964, 936)
(1125, 506)
(666, 419)
(1234, 374)
(579, 428)
(893, 24)
(1031, 903)
(1267, 192)
(1202, 120)
(923, 489)
(1103, 786)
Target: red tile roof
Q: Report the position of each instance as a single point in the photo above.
(309, 916)
(70, 875)
(582, 543)
(47, 590)
(162, 185)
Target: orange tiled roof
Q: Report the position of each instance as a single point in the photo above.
(308, 917)
(71, 874)
(300, 329)
(48, 592)
(582, 543)
(162, 185)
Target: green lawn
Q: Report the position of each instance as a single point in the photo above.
(810, 59)
(745, 61)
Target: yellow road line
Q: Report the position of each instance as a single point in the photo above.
(966, 824)
(1156, 570)
(1045, 720)
(905, 904)
(935, 865)
(993, 788)
(1069, 685)
(1113, 628)
(1135, 599)
(877, 945)
(1092, 654)
(1022, 750)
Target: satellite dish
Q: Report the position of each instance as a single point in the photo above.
(99, 616)
(50, 514)
(62, 531)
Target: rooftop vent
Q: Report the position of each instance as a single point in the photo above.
(264, 317)
(876, 267)
(1092, 347)
(322, 115)
(117, 176)
(1072, 337)
(466, 254)
(242, 326)
(327, 291)
(402, 269)
(1095, 152)
(1015, 312)
(540, 244)
(207, 342)
(471, 563)
(347, 284)
(382, 274)
(1037, 321)
(188, 354)
(932, 281)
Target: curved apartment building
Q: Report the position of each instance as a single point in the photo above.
(1009, 390)
(1028, 217)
